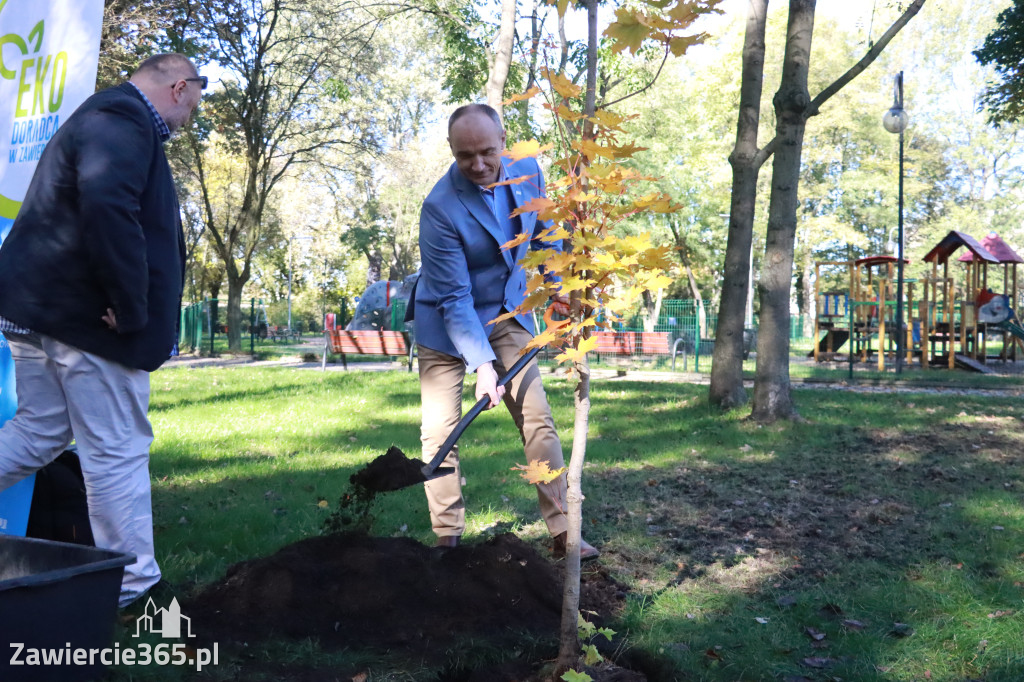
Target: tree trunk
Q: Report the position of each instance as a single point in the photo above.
(235, 285)
(568, 640)
(772, 399)
(652, 309)
(726, 389)
(495, 88)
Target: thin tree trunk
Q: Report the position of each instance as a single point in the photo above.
(726, 389)
(569, 643)
(502, 56)
(772, 398)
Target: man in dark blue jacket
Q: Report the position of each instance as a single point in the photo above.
(91, 277)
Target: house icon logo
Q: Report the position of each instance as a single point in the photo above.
(168, 623)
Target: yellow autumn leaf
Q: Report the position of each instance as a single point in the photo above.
(562, 6)
(538, 472)
(591, 149)
(626, 150)
(513, 181)
(502, 318)
(534, 205)
(571, 284)
(513, 243)
(322, 504)
(523, 96)
(587, 345)
(555, 235)
(558, 261)
(680, 44)
(526, 148)
(607, 119)
(627, 31)
(561, 84)
(567, 114)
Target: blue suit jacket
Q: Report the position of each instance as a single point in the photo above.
(466, 279)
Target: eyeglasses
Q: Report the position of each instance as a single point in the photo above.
(202, 80)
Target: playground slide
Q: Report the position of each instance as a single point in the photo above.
(1012, 326)
(837, 337)
(995, 309)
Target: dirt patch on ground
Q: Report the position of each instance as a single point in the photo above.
(361, 592)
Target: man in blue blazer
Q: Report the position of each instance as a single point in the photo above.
(91, 278)
(466, 281)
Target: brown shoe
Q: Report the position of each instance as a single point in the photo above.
(587, 551)
(447, 541)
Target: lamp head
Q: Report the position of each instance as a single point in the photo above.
(895, 120)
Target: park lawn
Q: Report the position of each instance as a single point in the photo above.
(881, 538)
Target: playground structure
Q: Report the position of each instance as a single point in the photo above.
(382, 306)
(951, 316)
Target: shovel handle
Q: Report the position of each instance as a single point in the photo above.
(474, 412)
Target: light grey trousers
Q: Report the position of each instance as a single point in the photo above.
(441, 380)
(66, 393)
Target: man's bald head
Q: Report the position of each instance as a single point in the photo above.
(171, 83)
(477, 141)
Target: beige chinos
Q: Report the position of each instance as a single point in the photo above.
(441, 380)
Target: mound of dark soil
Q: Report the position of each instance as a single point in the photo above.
(351, 590)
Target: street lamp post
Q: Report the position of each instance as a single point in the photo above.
(895, 121)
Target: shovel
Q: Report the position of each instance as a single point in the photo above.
(394, 471)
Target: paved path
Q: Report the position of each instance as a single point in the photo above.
(611, 375)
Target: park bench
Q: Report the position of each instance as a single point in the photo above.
(283, 334)
(367, 342)
(631, 344)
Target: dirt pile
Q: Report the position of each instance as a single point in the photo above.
(359, 591)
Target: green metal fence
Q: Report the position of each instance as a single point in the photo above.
(190, 330)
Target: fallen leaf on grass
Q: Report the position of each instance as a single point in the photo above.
(818, 662)
(745, 448)
(816, 635)
(901, 630)
(361, 677)
(853, 624)
(1000, 614)
(713, 655)
(762, 621)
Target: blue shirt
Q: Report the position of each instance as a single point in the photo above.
(499, 200)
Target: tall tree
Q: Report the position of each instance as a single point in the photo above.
(793, 107)
(286, 77)
(726, 388)
(1004, 50)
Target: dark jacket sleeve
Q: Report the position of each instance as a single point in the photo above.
(114, 146)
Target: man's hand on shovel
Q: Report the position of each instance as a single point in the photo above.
(487, 384)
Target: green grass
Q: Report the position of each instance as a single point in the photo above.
(892, 524)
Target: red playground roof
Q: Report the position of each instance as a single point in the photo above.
(953, 241)
(998, 248)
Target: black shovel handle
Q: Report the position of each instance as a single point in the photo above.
(474, 412)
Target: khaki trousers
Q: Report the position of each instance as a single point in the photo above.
(441, 379)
